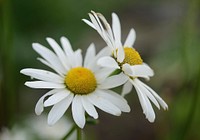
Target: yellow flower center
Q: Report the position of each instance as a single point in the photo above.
(132, 57)
(80, 81)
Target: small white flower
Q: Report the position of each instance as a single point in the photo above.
(85, 86)
(128, 60)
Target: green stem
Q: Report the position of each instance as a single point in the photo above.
(79, 134)
(69, 133)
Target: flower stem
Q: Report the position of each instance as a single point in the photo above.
(69, 133)
(79, 134)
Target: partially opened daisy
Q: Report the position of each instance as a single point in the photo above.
(127, 59)
(85, 86)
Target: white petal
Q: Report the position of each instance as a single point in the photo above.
(145, 103)
(39, 106)
(106, 51)
(148, 93)
(127, 87)
(130, 38)
(115, 99)
(42, 84)
(54, 99)
(104, 104)
(42, 75)
(127, 69)
(120, 54)
(90, 55)
(78, 58)
(102, 74)
(89, 23)
(89, 108)
(59, 52)
(78, 111)
(66, 46)
(51, 66)
(160, 100)
(116, 30)
(143, 70)
(108, 62)
(49, 56)
(59, 109)
(113, 81)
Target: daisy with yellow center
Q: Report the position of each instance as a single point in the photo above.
(128, 60)
(85, 86)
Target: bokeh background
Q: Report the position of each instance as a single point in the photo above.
(168, 39)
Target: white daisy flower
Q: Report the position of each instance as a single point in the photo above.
(85, 86)
(128, 60)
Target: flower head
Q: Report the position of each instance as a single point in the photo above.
(82, 84)
(128, 60)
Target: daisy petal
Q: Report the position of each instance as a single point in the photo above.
(160, 100)
(116, 99)
(108, 62)
(91, 52)
(102, 74)
(50, 66)
(42, 75)
(147, 93)
(40, 106)
(120, 54)
(113, 81)
(58, 51)
(43, 84)
(78, 111)
(54, 99)
(145, 103)
(130, 38)
(127, 87)
(59, 109)
(66, 46)
(138, 70)
(78, 58)
(89, 23)
(49, 56)
(104, 104)
(116, 29)
(89, 108)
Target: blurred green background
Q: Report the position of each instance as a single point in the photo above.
(168, 39)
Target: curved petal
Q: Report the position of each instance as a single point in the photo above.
(130, 38)
(90, 53)
(120, 54)
(50, 66)
(127, 87)
(116, 30)
(115, 99)
(102, 74)
(143, 70)
(78, 111)
(49, 56)
(43, 84)
(78, 58)
(145, 103)
(54, 45)
(42, 75)
(108, 62)
(104, 104)
(113, 81)
(89, 107)
(160, 100)
(40, 106)
(89, 23)
(59, 109)
(54, 99)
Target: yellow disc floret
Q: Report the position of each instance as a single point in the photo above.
(80, 80)
(132, 57)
